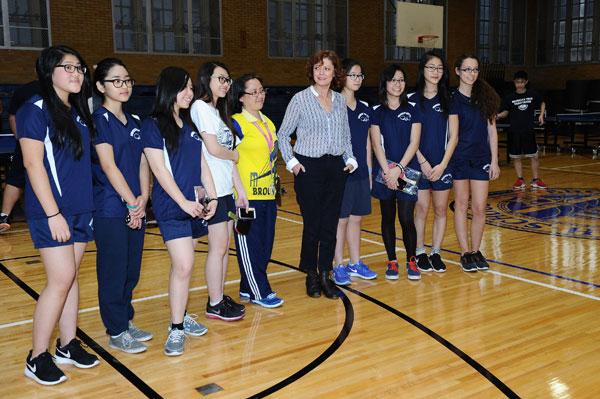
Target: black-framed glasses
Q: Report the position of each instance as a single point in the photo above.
(397, 81)
(70, 68)
(118, 83)
(223, 79)
(470, 70)
(356, 76)
(257, 93)
(433, 68)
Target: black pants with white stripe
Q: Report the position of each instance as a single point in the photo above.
(254, 250)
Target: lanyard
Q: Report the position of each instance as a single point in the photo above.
(269, 137)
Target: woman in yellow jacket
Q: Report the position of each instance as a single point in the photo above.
(257, 168)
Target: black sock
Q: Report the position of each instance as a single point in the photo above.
(178, 326)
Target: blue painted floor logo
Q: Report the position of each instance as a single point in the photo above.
(564, 212)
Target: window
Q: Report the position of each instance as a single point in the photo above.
(168, 26)
(24, 23)
(501, 31)
(393, 52)
(298, 28)
(566, 31)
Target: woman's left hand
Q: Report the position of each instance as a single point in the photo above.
(494, 171)
(349, 168)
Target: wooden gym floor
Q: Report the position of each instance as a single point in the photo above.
(527, 328)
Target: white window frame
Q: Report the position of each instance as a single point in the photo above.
(6, 28)
(149, 37)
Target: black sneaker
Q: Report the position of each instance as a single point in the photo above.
(423, 263)
(481, 261)
(42, 369)
(468, 263)
(73, 353)
(223, 311)
(4, 223)
(234, 304)
(437, 263)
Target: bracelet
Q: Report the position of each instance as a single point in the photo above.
(51, 216)
(421, 163)
(131, 206)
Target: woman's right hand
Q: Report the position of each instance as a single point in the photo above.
(426, 169)
(192, 208)
(297, 168)
(59, 229)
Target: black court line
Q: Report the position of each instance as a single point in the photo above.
(110, 359)
(462, 355)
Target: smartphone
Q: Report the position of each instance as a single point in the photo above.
(246, 214)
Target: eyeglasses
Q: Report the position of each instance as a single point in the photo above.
(397, 81)
(118, 83)
(470, 70)
(223, 79)
(356, 76)
(433, 68)
(256, 93)
(70, 68)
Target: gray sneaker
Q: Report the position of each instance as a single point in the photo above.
(175, 342)
(138, 334)
(126, 343)
(192, 327)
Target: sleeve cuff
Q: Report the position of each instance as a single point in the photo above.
(291, 163)
(352, 162)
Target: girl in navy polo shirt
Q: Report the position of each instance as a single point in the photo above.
(121, 189)
(395, 138)
(357, 193)
(475, 160)
(435, 151)
(54, 131)
(174, 151)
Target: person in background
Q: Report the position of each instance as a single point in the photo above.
(520, 108)
(320, 161)
(356, 202)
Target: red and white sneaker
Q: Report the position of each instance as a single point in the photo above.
(519, 184)
(538, 184)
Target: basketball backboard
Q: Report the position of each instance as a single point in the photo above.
(419, 25)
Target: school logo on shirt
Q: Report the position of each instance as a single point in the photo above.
(363, 117)
(225, 137)
(562, 212)
(78, 119)
(405, 116)
(195, 136)
(437, 108)
(135, 133)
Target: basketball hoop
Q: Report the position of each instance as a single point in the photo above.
(426, 38)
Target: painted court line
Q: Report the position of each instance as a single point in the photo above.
(144, 299)
(507, 275)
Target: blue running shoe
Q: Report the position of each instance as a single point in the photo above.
(392, 270)
(244, 297)
(340, 275)
(360, 270)
(412, 270)
(271, 301)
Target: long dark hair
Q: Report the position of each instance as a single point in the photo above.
(442, 87)
(67, 133)
(204, 93)
(387, 75)
(239, 89)
(102, 69)
(483, 96)
(171, 81)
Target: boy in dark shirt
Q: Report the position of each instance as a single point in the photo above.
(520, 107)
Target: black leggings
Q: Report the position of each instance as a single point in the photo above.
(406, 211)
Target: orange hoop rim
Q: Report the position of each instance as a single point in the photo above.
(423, 38)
